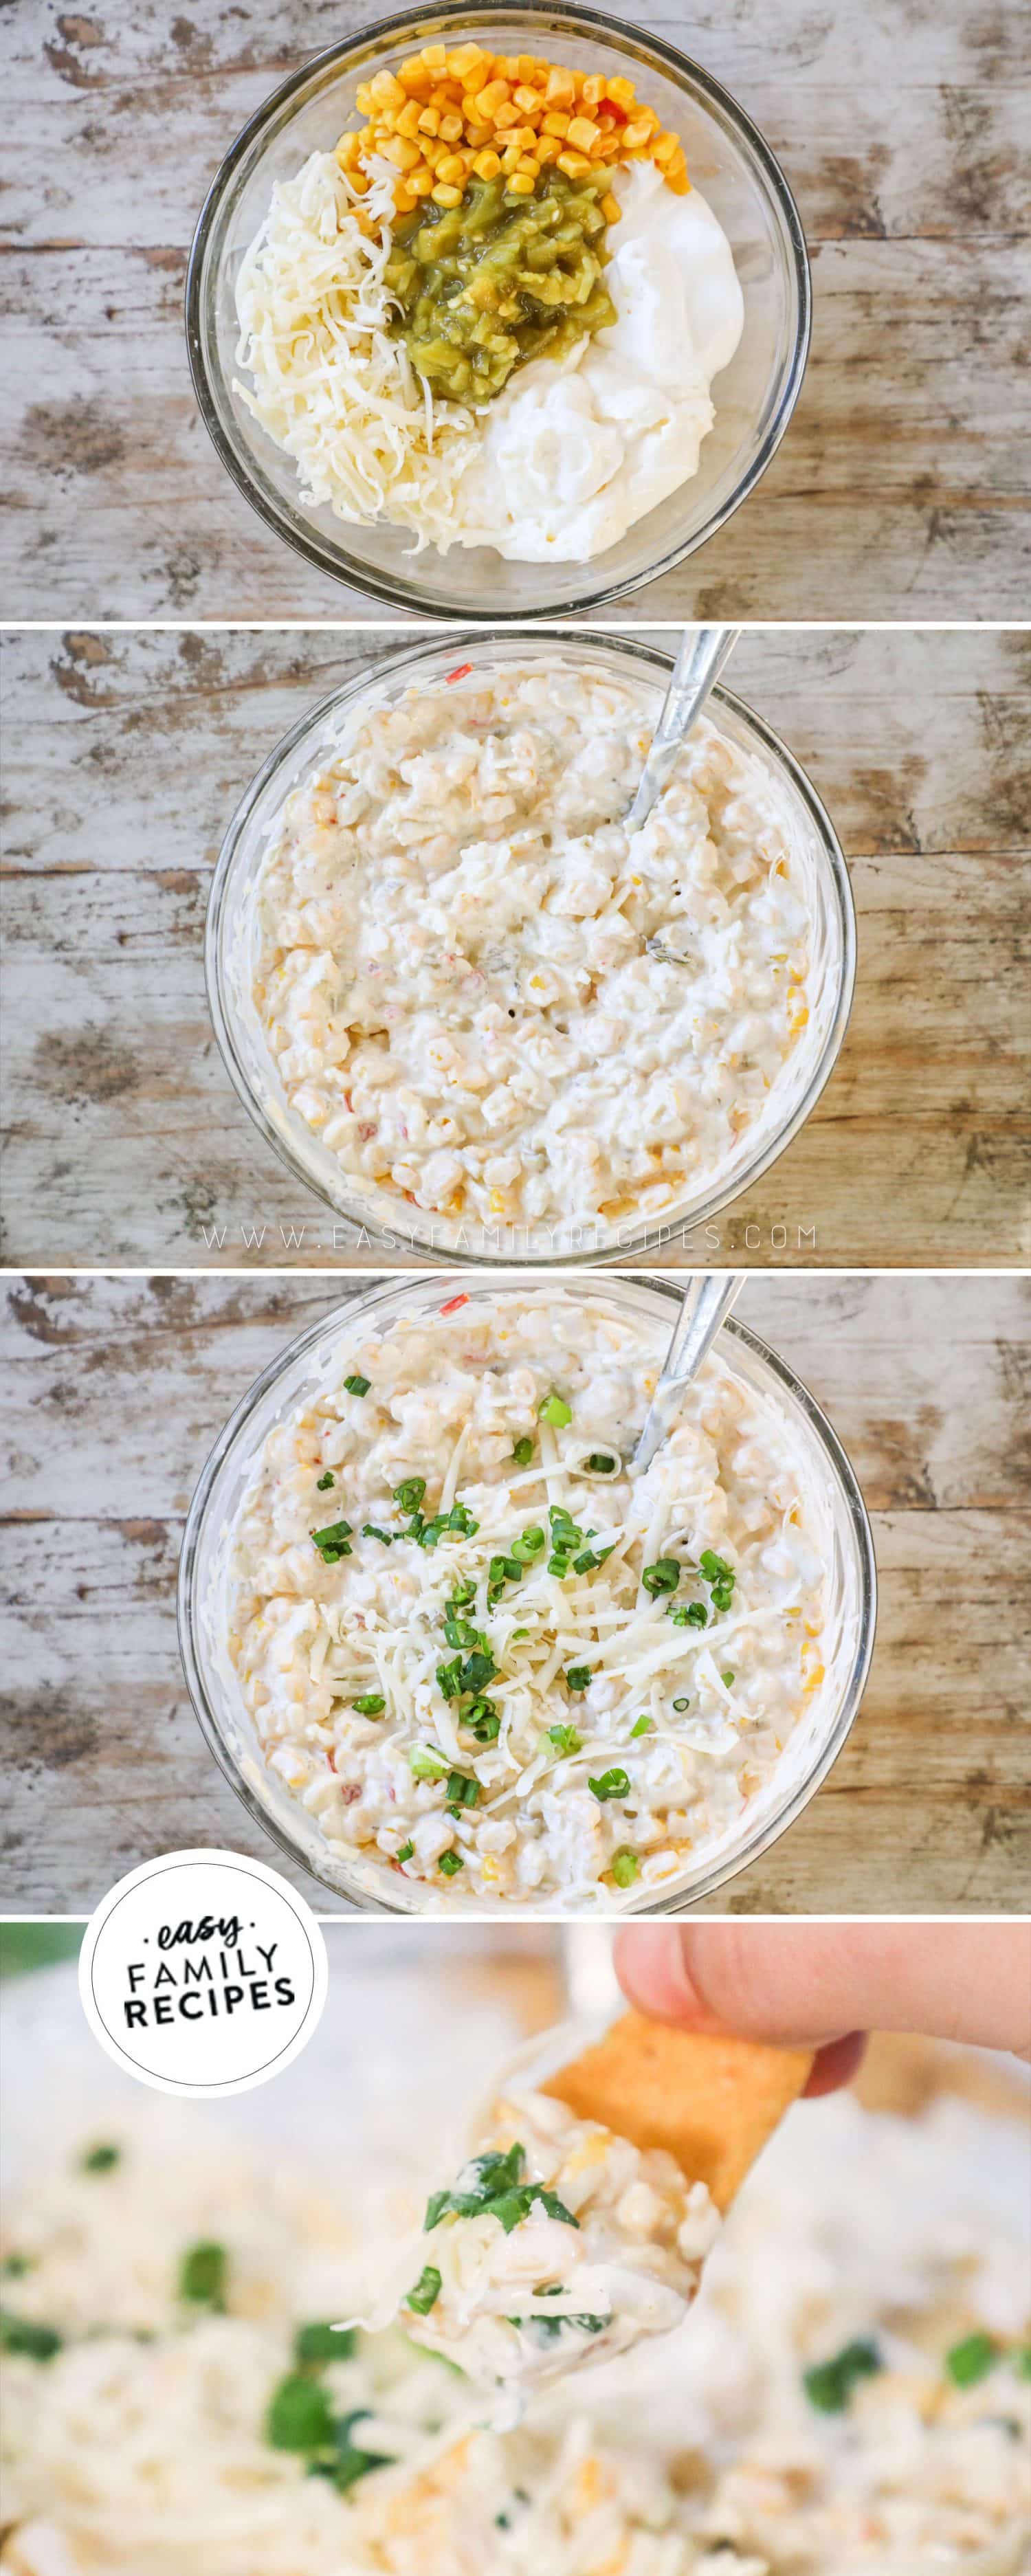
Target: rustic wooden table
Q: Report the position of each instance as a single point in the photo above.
(125, 756)
(900, 490)
(120, 1386)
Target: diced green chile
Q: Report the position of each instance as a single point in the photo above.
(483, 287)
(829, 2384)
(317, 2343)
(203, 2275)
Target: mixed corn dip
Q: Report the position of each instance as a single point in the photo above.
(851, 2395)
(439, 326)
(490, 1002)
(557, 2244)
(481, 1650)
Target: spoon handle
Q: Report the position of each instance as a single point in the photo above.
(707, 1302)
(701, 658)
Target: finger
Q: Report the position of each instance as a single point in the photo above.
(819, 1981)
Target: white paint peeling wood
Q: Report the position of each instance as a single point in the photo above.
(902, 486)
(124, 757)
(118, 1387)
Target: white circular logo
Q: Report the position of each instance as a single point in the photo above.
(203, 1973)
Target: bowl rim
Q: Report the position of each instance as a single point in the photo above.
(639, 1238)
(391, 588)
(365, 1302)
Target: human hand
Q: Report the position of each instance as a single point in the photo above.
(826, 1984)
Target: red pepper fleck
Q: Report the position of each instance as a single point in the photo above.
(462, 673)
(453, 1305)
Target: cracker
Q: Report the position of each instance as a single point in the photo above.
(711, 2102)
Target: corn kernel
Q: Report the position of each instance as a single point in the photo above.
(528, 99)
(404, 201)
(611, 208)
(635, 135)
(556, 123)
(420, 181)
(347, 150)
(429, 121)
(442, 195)
(621, 92)
(678, 181)
(529, 167)
(548, 148)
(511, 157)
(386, 91)
(490, 99)
(608, 149)
(408, 121)
(528, 66)
(477, 136)
(575, 165)
(505, 118)
(593, 89)
(666, 148)
(435, 57)
(508, 66)
(561, 89)
(405, 156)
(451, 128)
(451, 169)
(486, 165)
(466, 60)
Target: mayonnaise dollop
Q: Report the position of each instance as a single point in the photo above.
(574, 452)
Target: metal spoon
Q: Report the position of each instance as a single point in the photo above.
(707, 1302)
(702, 654)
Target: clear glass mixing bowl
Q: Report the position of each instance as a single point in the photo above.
(371, 1885)
(754, 397)
(388, 1221)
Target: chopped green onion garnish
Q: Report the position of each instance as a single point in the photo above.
(332, 1542)
(523, 1452)
(371, 1704)
(347, 2462)
(1021, 2360)
(369, 1530)
(450, 1863)
(406, 1852)
(579, 1677)
(319, 2343)
(425, 1764)
(323, 1483)
(461, 1790)
(525, 1548)
(624, 1868)
(565, 1739)
(357, 1385)
(477, 1670)
(555, 1410)
(663, 1576)
(15, 2266)
(21, 2334)
(829, 2386)
(726, 1679)
(300, 2416)
(202, 2276)
(971, 2360)
(642, 1725)
(680, 1704)
(483, 1720)
(426, 2291)
(715, 1568)
(600, 1463)
(101, 2159)
(612, 1784)
(690, 1614)
(410, 1493)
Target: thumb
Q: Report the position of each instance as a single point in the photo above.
(815, 1982)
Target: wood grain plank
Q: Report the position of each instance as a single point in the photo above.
(901, 489)
(126, 754)
(119, 1387)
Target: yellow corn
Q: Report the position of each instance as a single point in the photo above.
(521, 184)
(445, 196)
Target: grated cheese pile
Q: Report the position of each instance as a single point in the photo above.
(330, 385)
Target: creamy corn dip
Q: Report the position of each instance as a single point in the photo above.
(152, 2430)
(478, 1645)
(487, 999)
(592, 2242)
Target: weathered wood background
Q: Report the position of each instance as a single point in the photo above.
(125, 755)
(902, 486)
(120, 1386)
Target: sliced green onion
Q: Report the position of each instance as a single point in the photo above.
(600, 1463)
(319, 2343)
(690, 1614)
(528, 1545)
(410, 1493)
(426, 2291)
(332, 1542)
(425, 1764)
(555, 1410)
(101, 2159)
(450, 1863)
(22, 2334)
(357, 1385)
(579, 1677)
(680, 1704)
(369, 1530)
(624, 1868)
(971, 2360)
(830, 2384)
(323, 1483)
(461, 1790)
(523, 1452)
(565, 1739)
(202, 2276)
(300, 2416)
(612, 1784)
(371, 1704)
(663, 1576)
(406, 1852)
(642, 1725)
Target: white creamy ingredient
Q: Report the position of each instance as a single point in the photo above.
(575, 452)
(520, 2304)
(696, 1716)
(483, 994)
(566, 458)
(127, 2458)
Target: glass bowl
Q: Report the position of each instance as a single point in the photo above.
(755, 396)
(386, 1219)
(371, 1885)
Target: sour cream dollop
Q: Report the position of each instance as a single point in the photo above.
(573, 454)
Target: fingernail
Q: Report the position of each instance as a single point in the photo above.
(652, 1971)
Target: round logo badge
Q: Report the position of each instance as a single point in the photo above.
(203, 1973)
